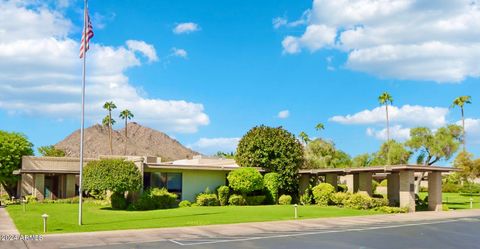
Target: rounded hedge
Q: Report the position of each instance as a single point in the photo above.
(116, 175)
(271, 181)
(285, 200)
(237, 200)
(322, 193)
(223, 194)
(245, 180)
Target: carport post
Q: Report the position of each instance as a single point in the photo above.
(435, 191)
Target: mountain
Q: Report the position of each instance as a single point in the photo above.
(142, 141)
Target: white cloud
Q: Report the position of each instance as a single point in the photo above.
(472, 130)
(401, 39)
(279, 22)
(40, 73)
(213, 145)
(179, 52)
(397, 132)
(185, 28)
(146, 49)
(283, 114)
(412, 115)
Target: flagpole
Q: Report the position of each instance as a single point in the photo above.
(82, 126)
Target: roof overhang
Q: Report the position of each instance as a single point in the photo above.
(378, 169)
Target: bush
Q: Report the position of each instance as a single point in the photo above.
(237, 200)
(285, 200)
(423, 189)
(223, 193)
(450, 187)
(358, 201)
(155, 198)
(322, 193)
(306, 198)
(470, 188)
(255, 200)
(245, 180)
(339, 198)
(374, 186)
(30, 198)
(342, 188)
(391, 210)
(271, 181)
(207, 200)
(384, 183)
(379, 202)
(118, 201)
(184, 203)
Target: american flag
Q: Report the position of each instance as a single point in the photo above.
(89, 32)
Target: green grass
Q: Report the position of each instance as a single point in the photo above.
(63, 217)
(457, 200)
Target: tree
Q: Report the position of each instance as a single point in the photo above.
(126, 115)
(275, 150)
(460, 102)
(12, 147)
(245, 180)
(323, 154)
(109, 106)
(362, 160)
(470, 169)
(116, 175)
(391, 153)
(304, 137)
(385, 99)
(432, 147)
(319, 127)
(50, 150)
(222, 154)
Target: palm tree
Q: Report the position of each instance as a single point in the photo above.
(319, 127)
(126, 115)
(304, 137)
(385, 99)
(109, 106)
(460, 102)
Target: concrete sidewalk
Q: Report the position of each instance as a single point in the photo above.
(7, 228)
(245, 229)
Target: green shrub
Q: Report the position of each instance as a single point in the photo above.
(306, 198)
(271, 181)
(223, 194)
(30, 198)
(339, 198)
(207, 200)
(450, 187)
(391, 210)
(155, 198)
(379, 202)
(255, 200)
(374, 186)
(342, 188)
(470, 188)
(118, 201)
(423, 189)
(184, 203)
(245, 180)
(322, 193)
(237, 200)
(285, 200)
(384, 183)
(358, 201)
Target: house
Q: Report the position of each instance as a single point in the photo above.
(58, 177)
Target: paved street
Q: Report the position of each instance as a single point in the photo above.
(457, 233)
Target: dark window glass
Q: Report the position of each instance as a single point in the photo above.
(171, 181)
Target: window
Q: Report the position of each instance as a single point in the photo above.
(171, 181)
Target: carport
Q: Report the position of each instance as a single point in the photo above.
(401, 182)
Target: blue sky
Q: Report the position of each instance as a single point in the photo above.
(205, 72)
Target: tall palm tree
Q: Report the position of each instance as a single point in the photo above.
(460, 102)
(319, 127)
(386, 99)
(109, 106)
(304, 137)
(126, 115)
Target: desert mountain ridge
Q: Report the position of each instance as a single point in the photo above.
(142, 141)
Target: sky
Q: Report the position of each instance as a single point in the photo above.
(205, 72)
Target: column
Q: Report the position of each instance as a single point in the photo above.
(27, 184)
(332, 179)
(352, 182)
(304, 181)
(39, 186)
(393, 189)
(365, 183)
(70, 186)
(435, 191)
(407, 190)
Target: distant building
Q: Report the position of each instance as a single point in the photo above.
(58, 177)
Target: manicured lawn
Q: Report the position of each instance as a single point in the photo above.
(457, 200)
(63, 217)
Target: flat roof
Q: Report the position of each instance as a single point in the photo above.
(378, 169)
